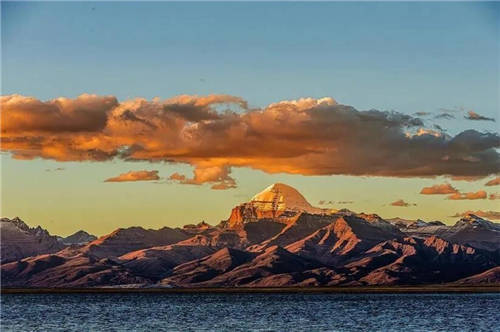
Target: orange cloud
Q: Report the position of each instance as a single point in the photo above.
(402, 203)
(135, 176)
(218, 176)
(471, 115)
(86, 113)
(481, 194)
(493, 182)
(467, 178)
(484, 214)
(439, 189)
(217, 132)
(177, 177)
(494, 196)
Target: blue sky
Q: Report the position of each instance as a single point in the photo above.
(407, 57)
(403, 56)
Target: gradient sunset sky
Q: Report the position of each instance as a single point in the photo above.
(431, 70)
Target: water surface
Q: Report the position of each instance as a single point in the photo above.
(249, 312)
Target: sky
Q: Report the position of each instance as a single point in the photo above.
(441, 59)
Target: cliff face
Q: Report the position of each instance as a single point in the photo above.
(248, 212)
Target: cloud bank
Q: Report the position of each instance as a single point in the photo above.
(439, 189)
(135, 176)
(217, 176)
(484, 214)
(402, 203)
(493, 182)
(481, 194)
(217, 132)
(494, 196)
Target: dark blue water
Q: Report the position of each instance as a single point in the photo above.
(250, 312)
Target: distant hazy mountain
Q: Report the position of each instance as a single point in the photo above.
(275, 239)
(474, 231)
(418, 228)
(80, 237)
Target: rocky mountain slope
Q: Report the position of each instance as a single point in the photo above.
(275, 239)
(18, 240)
(474, 231)
(125, 240)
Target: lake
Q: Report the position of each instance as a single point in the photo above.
(249, 312)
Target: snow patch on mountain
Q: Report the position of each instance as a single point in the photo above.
(281, 197)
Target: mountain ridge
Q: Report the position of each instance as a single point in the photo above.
(276, 239)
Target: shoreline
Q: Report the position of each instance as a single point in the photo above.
(264, 290)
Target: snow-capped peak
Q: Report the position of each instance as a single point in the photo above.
(471, 220)
(280, 197)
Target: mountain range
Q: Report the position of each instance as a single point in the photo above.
(276, 239)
